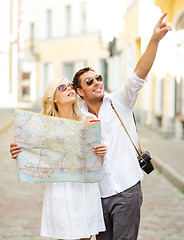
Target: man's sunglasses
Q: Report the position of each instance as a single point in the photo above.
(63, 87)
(90, 80)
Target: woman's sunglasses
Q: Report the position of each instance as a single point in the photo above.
(90, 80)
(63, 87)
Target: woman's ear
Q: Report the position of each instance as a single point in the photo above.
(55, 101)
(80, 92)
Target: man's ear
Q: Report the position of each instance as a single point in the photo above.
(80, 92)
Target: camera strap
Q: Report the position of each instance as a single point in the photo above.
(138, 151)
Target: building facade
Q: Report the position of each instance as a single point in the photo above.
(51, 38)
(171, 116)
(59, 38)
(161, 102)
(8, 53)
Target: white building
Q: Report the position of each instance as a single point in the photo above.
(8, 52)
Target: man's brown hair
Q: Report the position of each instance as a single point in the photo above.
(76, 81)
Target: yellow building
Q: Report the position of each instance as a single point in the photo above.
(139, 21)
(175, 89)
(161, 102)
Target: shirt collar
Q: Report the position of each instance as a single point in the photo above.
(84, 108)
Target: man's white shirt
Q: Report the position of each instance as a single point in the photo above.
(120, 169)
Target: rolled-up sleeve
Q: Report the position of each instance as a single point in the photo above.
(128, 93)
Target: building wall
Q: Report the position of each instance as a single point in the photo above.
(72, 42)
(79, 52)
(8, 53)
(156, 104)
(173, 78)
(138, 28)
(55, 37)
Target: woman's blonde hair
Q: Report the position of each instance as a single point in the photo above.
(49, 108)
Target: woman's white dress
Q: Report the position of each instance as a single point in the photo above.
(71, 211)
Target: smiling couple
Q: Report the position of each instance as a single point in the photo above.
(111, 209)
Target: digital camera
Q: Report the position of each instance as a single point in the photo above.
(145, 162)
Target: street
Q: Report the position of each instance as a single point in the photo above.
(21, 204)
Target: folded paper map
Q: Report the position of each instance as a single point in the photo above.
(56, 149)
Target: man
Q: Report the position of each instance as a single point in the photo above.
(121, 174)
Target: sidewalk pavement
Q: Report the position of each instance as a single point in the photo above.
(167, 154)
(7, 114)
(6, 119)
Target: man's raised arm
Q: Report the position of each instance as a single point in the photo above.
(146, 61)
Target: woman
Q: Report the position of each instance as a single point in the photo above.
(70, 210)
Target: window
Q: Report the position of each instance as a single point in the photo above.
(68, 20)
(130, 56)
(32, 36)
(83, 17)
(25, 86)
(68, 70)
(48, 23)
(47, 73)
(103, 71)
(178, 97)
(32, 31)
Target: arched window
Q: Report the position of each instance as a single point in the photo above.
(180, 23)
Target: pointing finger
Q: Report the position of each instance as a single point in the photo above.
(162, 18)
